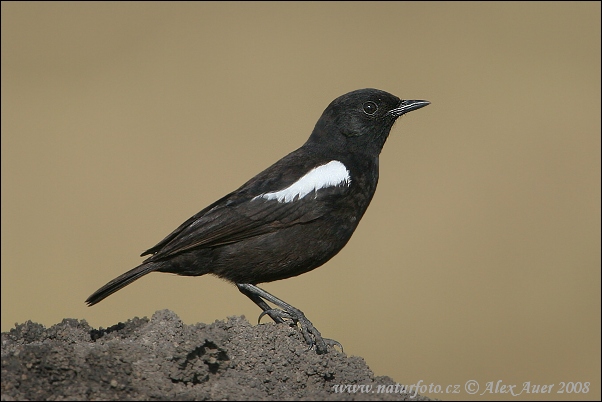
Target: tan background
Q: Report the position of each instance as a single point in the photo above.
(479, 257)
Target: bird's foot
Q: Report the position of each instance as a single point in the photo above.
(310, 333)
(288, 314)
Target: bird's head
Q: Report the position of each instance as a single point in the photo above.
(361, 120)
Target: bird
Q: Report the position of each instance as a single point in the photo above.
(289, 219)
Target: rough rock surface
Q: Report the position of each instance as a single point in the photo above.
(164, 359)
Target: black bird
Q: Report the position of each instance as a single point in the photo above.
(292, 217)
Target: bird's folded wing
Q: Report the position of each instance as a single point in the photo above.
(231, 220)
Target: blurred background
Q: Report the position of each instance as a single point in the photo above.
(479, 257)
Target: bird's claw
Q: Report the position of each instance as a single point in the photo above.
(311, 335)
(332, 343)
(278, 316)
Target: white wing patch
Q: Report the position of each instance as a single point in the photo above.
(334, 173)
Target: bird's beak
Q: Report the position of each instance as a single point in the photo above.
(407, 106)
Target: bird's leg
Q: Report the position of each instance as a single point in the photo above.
(310, 333)
(274, 314)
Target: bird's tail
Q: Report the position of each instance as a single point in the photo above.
(122, 281)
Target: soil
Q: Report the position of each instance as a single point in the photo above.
(165, 359)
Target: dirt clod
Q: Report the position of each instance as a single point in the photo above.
(164, 359)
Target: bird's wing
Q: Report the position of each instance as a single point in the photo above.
(245, 213)
(183, 226)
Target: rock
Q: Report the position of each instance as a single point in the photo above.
(165, 359)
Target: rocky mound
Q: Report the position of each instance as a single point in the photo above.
(164, 359)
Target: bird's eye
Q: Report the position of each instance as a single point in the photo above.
(370, 108)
